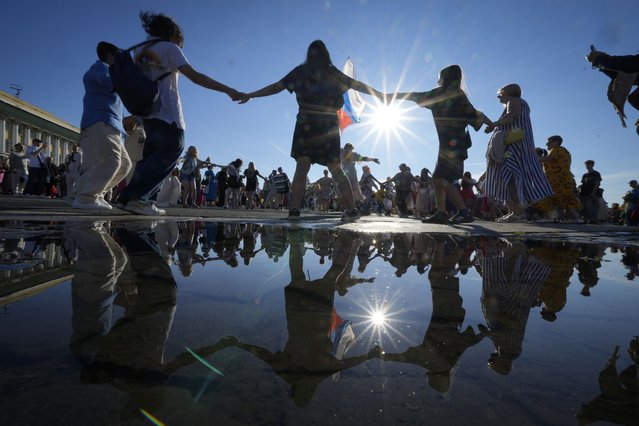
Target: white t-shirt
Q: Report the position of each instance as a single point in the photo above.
(158, 59)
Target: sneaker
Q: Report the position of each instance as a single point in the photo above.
(104, 203)
(439, 217)
(138, 207)
(504, 218)
(514, 218)
(462, 217)
(93, 205)
(351, 215)
(293, 214)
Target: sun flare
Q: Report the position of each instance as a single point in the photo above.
(386, 118)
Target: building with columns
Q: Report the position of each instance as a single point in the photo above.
(20, 122)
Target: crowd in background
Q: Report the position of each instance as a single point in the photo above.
(202, 184)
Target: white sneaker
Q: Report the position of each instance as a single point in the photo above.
(138, 207)
(93, 205)
(105, 203)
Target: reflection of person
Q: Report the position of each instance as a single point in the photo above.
(452, 112)
(561, 258)
(319, 88)
(444, 342)
(165, 125)
(511, 282)
(619, 399)
(519, 178)
(587, 265)
(308, 356)
(129, 353)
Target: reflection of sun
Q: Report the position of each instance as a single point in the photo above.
(381, 322)
(378, 318)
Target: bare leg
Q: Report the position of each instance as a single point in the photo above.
(343, 184)
(298, 186)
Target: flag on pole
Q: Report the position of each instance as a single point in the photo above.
(353, 103)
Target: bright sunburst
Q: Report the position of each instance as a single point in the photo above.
(386, 118)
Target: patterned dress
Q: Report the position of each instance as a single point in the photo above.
(521, 164)
(562, 182)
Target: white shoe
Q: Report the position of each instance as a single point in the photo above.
(94, 205)
(504, 218)
(105, 203)
(138, 207)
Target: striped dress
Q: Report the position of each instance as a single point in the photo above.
(521, 164)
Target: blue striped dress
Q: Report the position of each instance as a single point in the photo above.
(522, 165)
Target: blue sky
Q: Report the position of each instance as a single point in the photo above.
(393, 44)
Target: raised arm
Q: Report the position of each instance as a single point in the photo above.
(365, 88)
(207, 82)
(513, 109)
(269, 90)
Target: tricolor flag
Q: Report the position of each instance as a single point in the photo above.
(353, 103)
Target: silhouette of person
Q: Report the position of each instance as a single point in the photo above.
(561, 258)
(619, 399)
(129, 353)
(319, 88)
(444, 343)
(511, 282)
(587, 265)
(308, 357)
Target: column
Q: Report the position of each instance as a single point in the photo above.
(49, 139)
(6, 146)
(26, 135)
(14, 132)
(55, 155)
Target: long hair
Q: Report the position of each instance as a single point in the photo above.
(317, 56)
(160, 25)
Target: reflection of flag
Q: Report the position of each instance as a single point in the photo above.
(353, 103)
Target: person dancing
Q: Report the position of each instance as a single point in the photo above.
(452, 112)
(319, 88)
(519, 179)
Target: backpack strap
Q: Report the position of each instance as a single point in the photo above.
(149, 42)
(152, 41)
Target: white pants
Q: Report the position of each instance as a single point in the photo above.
(105, 162)
(16, 186)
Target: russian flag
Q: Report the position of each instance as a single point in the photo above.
(353, 103)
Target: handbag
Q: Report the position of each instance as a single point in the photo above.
(514, 135)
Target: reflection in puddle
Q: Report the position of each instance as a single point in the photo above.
(202, 322)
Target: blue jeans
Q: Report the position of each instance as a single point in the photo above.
(162, 149)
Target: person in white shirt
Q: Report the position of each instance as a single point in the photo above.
(37, 171)
(163, 60)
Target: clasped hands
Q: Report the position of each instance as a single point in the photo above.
(239, 97)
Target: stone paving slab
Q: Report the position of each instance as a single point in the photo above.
(43, 209)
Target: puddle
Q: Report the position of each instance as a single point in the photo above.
(228, 323)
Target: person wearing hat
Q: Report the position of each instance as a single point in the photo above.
(590, 193)
(19, 166)
(105, 161)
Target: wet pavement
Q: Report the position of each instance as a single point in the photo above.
(241, 317)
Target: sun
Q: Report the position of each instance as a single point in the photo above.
(386, 118)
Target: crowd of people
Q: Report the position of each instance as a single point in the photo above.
(149, 171)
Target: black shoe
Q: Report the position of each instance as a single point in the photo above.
(439, 217)
(293, 214)
(351, 215)
(460, 217)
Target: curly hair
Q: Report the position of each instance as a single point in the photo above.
(162, 26)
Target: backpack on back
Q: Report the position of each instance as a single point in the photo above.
(137, 91)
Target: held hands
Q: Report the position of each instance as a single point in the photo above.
(244, 98)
